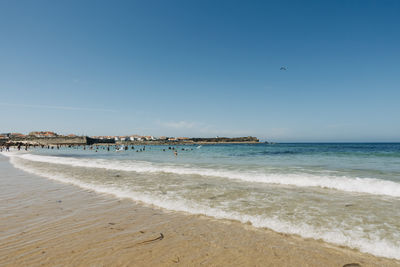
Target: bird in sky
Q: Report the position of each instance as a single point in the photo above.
(283, 68)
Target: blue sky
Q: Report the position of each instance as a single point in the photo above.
(202, 68)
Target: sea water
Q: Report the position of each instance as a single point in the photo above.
(346, 194)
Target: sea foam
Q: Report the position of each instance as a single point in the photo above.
(350, 238)
(343, 183)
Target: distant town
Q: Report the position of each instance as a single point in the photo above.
(49, 137)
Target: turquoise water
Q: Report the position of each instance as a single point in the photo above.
(347, 194)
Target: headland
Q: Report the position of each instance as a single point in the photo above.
(51, 138)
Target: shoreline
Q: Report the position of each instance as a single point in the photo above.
(129, 143)
(86, 140)
(173, 143)
(51, 223)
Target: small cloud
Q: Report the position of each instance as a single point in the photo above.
(56, 107)
(179, 124)
(278, 131)
(200, 128)
(337, 126)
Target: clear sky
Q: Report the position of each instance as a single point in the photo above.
(202, 68)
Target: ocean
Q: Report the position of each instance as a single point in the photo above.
(347, 194)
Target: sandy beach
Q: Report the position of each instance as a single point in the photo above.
(200, 133)
(48, 223)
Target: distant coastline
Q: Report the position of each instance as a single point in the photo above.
(86, 140)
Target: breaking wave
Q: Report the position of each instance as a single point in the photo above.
(343, 183)
(350, 238)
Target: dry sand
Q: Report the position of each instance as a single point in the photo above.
(47, 223)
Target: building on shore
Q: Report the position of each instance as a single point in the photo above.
(18, 135)
(5, 135)
(43, 134)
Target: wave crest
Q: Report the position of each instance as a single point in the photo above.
(343, 183)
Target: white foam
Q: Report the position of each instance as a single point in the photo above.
(350, 238)
(343, 183)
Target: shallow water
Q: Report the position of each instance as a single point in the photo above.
(348, 194)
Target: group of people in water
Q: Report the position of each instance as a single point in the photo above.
(19, 146)
(96, 148)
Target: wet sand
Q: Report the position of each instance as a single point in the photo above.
(47, 223)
